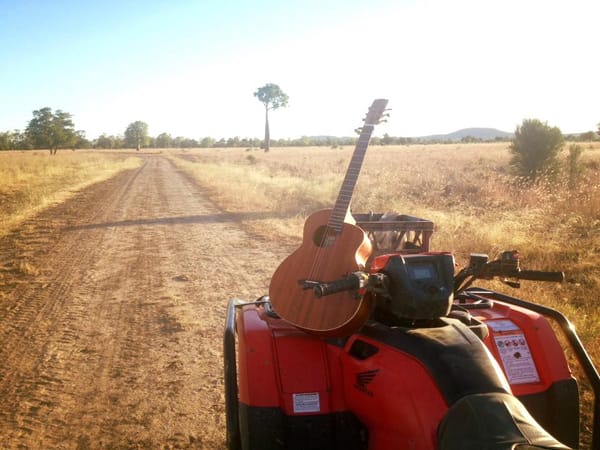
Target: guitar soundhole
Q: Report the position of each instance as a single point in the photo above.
(324, 236)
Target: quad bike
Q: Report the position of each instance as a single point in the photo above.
(439, 364)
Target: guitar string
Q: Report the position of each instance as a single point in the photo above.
(334, 224)
(350, 179)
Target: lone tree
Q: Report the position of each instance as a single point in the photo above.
(136, 135)
(535, 148)
(51, 130)
(272, 97)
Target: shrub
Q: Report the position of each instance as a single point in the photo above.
(535, 148)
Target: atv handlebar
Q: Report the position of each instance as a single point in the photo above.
(538, 275)
(351, 282)
(506, 267)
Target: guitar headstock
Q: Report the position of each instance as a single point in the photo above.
(376, 113)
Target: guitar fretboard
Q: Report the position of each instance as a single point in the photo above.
(336, 221)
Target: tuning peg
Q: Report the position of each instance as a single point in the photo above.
(384, 117)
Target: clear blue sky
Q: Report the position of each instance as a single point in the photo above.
(190, 68)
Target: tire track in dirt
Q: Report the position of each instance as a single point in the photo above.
(116, 342)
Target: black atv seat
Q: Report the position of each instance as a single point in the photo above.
(494, 421)
(454, 356)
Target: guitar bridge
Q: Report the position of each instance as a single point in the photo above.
(307, 284)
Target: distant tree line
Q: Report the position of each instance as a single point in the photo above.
(55, 130)
(17, 140)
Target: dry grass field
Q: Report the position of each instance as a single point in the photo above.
(31, 181)
(466, 189)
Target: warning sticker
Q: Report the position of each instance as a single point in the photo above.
(516, 358)
(502, 325)
(306, 402)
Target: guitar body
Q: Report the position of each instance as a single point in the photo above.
(323, 256)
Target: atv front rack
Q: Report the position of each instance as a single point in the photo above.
(392, 232)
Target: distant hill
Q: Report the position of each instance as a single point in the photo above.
(477, 134)
(484, 134)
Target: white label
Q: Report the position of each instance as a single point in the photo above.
(307, 402)
(502, 325)
(516, 358)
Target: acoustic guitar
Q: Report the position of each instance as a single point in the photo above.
(332, 247)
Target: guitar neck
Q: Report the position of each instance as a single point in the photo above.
(336, 221)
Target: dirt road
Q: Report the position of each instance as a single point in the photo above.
(112, 307)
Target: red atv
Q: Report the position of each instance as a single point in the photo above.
(439, 364)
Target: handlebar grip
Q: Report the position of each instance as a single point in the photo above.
(351, 282)
(538, 275)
